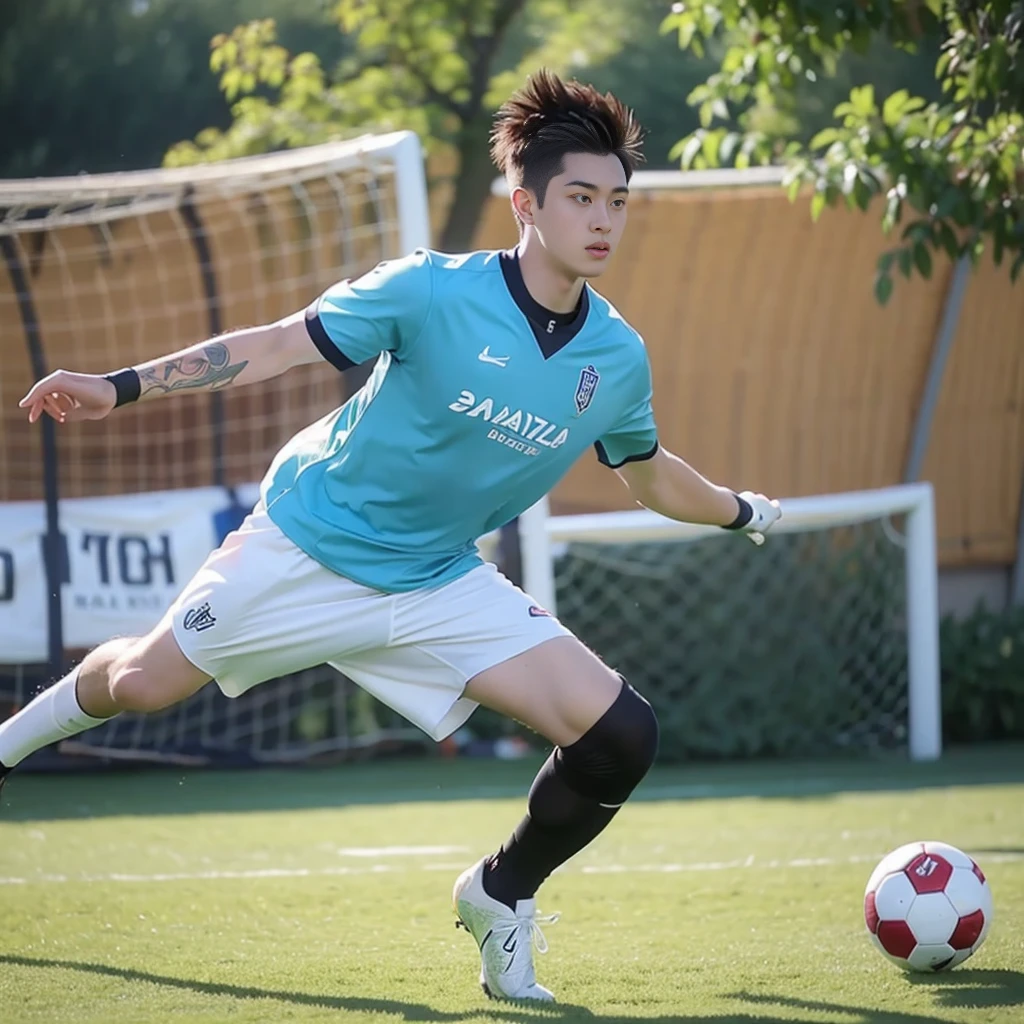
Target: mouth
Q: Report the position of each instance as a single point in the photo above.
(600, 250)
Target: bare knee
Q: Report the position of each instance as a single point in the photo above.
(558, 688)
(152, 674)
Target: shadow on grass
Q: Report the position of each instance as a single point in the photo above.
(960, 989)
(965, 987)
(169, 791)
(508, 1013)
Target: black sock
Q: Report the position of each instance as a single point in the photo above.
(558, 824)
(575, 795)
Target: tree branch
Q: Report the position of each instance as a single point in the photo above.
(434, 95)
(483, 51)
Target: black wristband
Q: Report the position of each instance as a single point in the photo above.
(127, 385)
(746, 513)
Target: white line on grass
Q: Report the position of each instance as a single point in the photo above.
(203, 876)
(746, 863)
(399, 851)
(751, 861)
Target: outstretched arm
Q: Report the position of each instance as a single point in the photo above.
(238, 357)
(667, 484)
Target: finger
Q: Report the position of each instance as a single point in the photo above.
(35, 411)
(31, 396)
(37, 391)
(52, 406)
(56, 407)
(65, 402)
(757, 538)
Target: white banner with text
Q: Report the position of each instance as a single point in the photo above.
(121, 560)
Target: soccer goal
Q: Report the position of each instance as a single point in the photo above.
(109, 270)
(823, 640)
(103, 271)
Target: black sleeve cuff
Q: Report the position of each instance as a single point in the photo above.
(319, 336)
(602, 456)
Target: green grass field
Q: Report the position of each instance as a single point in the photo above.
(725, 893)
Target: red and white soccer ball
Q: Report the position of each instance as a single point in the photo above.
(927, 907)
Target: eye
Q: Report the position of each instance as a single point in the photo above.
(619, 203)
(581, 197)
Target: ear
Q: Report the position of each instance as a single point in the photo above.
(522, 204)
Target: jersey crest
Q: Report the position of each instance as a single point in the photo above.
(589, 379)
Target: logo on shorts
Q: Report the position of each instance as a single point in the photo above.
(199, 618)
(536, 612)
(589, 379)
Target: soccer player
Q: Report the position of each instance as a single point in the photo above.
(495, 372)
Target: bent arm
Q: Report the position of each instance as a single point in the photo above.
(667, 484)
(239, 357)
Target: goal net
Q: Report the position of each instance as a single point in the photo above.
(824, 640)
(103, 271)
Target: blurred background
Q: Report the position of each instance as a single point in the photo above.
(822, 255)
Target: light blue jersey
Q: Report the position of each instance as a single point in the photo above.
(479, 403)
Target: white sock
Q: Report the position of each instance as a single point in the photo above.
(53, 715)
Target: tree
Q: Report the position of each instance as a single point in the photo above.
(951, 166)
(439, 67)
(88, 86)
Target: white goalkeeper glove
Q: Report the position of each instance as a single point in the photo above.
(756, 516)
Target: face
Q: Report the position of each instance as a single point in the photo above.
(583, 215)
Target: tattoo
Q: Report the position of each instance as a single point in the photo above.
(209, 369)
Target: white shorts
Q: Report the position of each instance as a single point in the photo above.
(260, 608)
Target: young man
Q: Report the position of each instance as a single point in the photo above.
(494, 372)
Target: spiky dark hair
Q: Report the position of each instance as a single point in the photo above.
(548, 118)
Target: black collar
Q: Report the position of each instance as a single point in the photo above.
(553, 331)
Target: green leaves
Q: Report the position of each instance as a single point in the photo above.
(825, 138)
(883, 287)
(862, 102)
(954, 166)
(437, 67)
(249, 57)
(717, 147)
(982, 658)
(898, 105)
(923, 259)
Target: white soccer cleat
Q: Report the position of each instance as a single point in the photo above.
(506, 939)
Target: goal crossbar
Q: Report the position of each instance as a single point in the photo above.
(91, 198)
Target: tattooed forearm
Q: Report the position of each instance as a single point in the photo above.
(208, 368)
(238, 358)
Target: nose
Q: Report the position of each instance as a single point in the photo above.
(600, 221)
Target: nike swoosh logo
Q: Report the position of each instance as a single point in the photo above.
(510, 945)
(486, 357)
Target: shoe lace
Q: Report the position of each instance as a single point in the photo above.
(528, 929)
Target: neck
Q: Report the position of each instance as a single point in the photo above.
(550, 284)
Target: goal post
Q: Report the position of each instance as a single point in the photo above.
(411, 190)
(836, 547)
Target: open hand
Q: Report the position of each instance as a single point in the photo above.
(69, 397)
